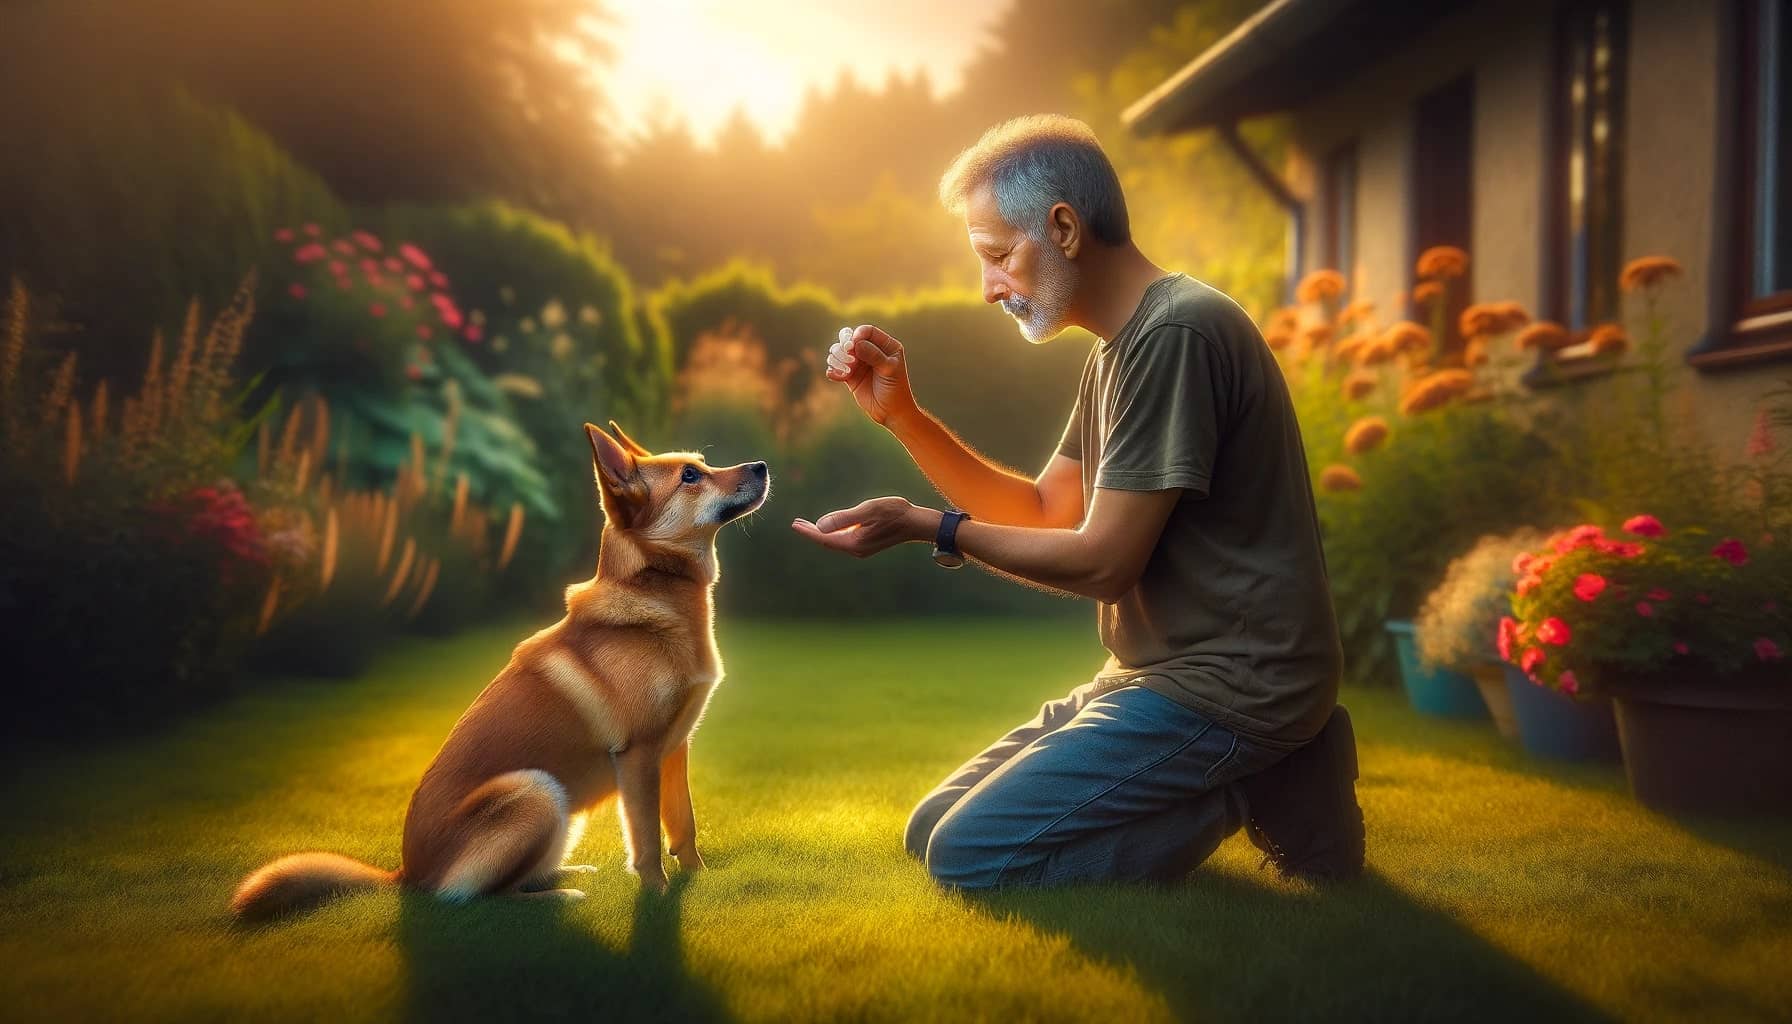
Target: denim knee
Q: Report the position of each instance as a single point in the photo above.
(953, 859)
(921, 823)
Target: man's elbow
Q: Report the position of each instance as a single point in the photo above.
(1108, 584)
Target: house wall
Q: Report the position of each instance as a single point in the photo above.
(1671, 192)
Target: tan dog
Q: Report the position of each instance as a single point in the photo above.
(602, 702)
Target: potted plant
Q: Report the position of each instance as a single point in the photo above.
(1459, 624)
(1686, 630)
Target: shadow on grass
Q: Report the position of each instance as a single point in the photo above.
(506, 959)
(1221, 948)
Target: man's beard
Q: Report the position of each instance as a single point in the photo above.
(1041, 316)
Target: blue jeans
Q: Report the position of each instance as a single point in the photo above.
(1126, 786)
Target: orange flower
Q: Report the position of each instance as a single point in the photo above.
(1339, 477)
(1441, 261)
(1317, 335)
(1546, 335)
(1277, 340)
(1377, 352)
(1492, 318)
(1358, 311)
(1365, 434)
(1350, 348)
(1407, 336)
(1320, 286)
(1285, 319)
(1647, 272)
(1609, 338)
(1427, 291)
(1358, 384)
(1511, 317)
(1435, 389)
(1475, 352)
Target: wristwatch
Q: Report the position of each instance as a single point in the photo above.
(945, 544)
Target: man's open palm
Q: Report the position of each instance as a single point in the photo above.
(872, 365)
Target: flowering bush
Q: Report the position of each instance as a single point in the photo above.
(1592, 611)
(1460, 619)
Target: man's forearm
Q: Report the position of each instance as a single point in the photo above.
(1057, 558)
(989, 492)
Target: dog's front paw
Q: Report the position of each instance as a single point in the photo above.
(654, 881)
(690, 860)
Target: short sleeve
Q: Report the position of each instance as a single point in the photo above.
(1168, 404)
(1071, 444)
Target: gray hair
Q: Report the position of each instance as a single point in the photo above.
(1034, 163)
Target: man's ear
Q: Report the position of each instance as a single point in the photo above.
(617, 482)
(1066, 229)
(629, 443)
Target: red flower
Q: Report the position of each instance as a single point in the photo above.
(1680, 647)
(1553, 631)
(283, 235)
(414, 255)
(1508, 633)
(1530, 659)
(1766, 649)
(1528, 584)
(343, 246)
(1645, 609)
(1621, 548)
(391, 263)
(1658, 594)
(424, 332)
(1567, 682)
(414, 372)
(1731, 551)
(474, 333)
(338, 268)
(1588, 586)
(313, 230)
(296, 290)
(406, 302)
(310, 252)
(414, 282)
(367, 240)
(378, 309)
(1579, 537)
(1521, 566)
(1644, 526)
(1702, 598)
(438, 279)
(370, 267)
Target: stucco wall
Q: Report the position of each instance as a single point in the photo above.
(1670, 185)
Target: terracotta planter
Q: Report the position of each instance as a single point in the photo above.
(1437, 692)
(1558, 726)
(1718, 749)
(1490, 679)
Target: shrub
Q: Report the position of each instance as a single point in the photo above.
(1460, 620)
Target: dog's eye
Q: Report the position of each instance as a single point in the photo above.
(690, 475)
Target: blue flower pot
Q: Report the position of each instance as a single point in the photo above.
(1437, 692)
(1558, 726)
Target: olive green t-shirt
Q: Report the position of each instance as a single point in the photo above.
(1232, 616)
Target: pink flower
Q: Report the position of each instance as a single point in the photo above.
(1528, 584)
(378, 309)
(1553, 631)
(296, 290)
(343, 246)
(474, 333)
(1521, 565)
(1644, 526)
(338, 268)
(1645, 609)
(1620, 548)
(413, 255)
(1579, 537)
(1589, 585)
(313, 230)
(1508, 633)
(369, 267)
(366, 240)
(391, 263)
(310, 252)
(414, 282)
(424, 332)
(1530, 659)
(1567, 683)
(283, 235)
(1760, 439)
(1731, 550)
(1680, 647)
(438, 279)
(1766, 649)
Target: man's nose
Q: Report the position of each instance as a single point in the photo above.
(994, 290)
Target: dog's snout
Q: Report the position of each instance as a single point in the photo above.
(757, 469)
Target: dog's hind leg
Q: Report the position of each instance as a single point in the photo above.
(514, 830)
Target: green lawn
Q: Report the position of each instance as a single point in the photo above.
(1499, 888)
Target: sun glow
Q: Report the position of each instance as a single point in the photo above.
(700, 60)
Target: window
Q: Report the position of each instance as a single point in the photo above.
(1337, 246)
(1586, 245)
(1443, 190)
(1753, 261)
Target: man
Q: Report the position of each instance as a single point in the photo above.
(1179, 499)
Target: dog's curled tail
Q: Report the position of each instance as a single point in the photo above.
(301, 881)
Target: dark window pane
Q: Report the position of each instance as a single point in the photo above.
(1773, 272)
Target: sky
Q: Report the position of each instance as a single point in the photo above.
(698, 60)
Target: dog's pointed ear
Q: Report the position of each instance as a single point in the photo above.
(615, 466)
(634, 448)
